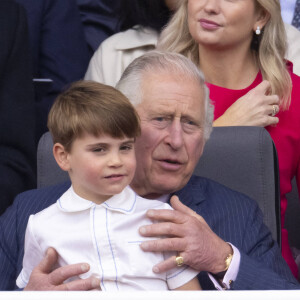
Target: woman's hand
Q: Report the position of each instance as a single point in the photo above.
(256, 108)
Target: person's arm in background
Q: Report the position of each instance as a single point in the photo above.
(59, 48)
(17, 106)
(99, 19)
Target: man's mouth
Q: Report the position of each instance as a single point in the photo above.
(170, 164)
(171, 161)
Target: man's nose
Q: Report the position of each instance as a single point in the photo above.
(175, 135)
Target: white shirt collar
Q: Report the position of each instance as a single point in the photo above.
(124, 202)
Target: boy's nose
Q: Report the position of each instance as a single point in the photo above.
(115, 160)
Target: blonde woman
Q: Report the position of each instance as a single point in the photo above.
(240, 47)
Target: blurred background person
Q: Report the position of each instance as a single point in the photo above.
(290, 11)
(140, 23)
(59, 50)
(99, 19)
(17, 106)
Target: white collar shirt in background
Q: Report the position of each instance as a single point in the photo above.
(105, 236)
(287, 10)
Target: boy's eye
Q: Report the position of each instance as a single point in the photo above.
(126, 147)
(99, 149)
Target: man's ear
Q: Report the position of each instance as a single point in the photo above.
(262, 19)
(61, 156)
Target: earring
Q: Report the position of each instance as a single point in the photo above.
(257, 31)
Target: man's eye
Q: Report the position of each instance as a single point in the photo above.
(189, 122)
(159, 119)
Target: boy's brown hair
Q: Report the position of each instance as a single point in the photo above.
(93, 108)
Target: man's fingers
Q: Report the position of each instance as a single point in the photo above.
(165, 265)
(58, 276)
(179, 215)
(166, 229)
(47, 263)
(87, 284)
(178, 206)
(167, 244)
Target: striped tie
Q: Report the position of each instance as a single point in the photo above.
(296, 18)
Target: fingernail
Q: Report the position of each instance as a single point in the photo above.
(142, 230)
(144, 246)
(85, 267)
(150, 213)
(95, 283)
(155, 269)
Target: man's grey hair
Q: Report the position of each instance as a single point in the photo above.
(154, 62)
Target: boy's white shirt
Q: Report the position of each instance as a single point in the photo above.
(105, 236)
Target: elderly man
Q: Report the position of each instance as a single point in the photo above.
(228, 244)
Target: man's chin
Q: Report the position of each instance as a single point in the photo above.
(160, 184)
(168, 187)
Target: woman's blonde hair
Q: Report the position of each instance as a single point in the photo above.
(269, 53)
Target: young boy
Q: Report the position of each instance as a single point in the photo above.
(96, 221)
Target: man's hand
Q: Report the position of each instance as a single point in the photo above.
(253, 109)
(188, 234)
(44, 279)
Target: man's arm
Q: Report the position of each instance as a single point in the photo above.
(207, 253)
(261, 264)
(12, 231)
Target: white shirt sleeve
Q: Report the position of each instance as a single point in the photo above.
(33, 254)
(179, 276)
(231, 273)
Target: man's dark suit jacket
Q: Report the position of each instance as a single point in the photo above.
(17, 106)
(231, 215)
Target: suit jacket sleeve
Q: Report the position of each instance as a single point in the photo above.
(33, 254)
(261, 266)
(237, 219)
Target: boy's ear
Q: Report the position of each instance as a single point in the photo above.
(61, 156)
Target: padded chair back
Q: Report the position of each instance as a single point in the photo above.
(48, 171)
(292, 216)
(242, 158)
(245, 159)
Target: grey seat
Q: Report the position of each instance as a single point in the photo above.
(292, 216)
(242, 158)
(245, 159)
(48, 172)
